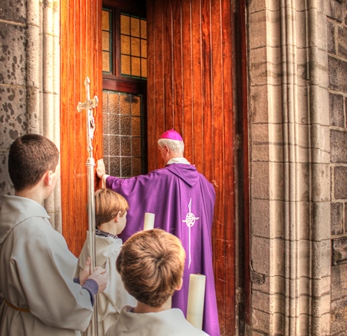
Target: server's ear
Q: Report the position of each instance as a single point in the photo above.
(180, 285)
(48, 177)
(116, 218)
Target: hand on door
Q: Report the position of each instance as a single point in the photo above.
(100, 170)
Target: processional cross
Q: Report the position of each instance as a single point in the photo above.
(89, 105)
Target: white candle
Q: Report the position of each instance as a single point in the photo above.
(149, 221)
(196, 299)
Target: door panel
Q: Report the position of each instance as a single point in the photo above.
(190, 88)
(80, 57)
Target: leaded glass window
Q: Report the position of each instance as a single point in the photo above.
(107, 45)
(133, 46)
(131, 51)
(124, 50)
(123, 137)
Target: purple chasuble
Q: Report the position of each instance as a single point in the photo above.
(182, 200)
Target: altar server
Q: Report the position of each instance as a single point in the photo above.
(151, 264)
(110, 218)
(41, 296)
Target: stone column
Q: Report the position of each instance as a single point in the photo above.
(43, 72)
(13, 93)
(290, 176)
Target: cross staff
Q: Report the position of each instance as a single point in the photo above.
(89, 105)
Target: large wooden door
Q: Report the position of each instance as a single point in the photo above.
(191, 89)
(80, 57)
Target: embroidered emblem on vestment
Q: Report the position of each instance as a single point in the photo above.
(190, 221)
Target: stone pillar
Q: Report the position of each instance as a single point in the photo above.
(13, 93)
(336, 12)
(50, 93)
(29, 82)
(290, 172)
(43, 64)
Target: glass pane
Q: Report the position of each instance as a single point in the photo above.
(113, 103)
(144, 29)
(144, 48)
(125, 65)
(104, 102)
(135, 27)
(125, 146)
(114, 166)
(107, 164)
(125, 125)
(135, 66)
(136, 147)
(136, 166)
(125, 104)
(113, 124)
(135, 126)
(105, 123)
(125, 44)
(125, 24)
(105, 41)
(135, 106)
(114, 145)
(143, 67)
(122, 138)
(106, 147)
(105, 20)
(125, 167)
(106, 61)
(135, 47)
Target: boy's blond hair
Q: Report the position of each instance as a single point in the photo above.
(107, 205)
(151, 265)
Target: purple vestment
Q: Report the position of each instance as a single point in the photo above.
(182, 200)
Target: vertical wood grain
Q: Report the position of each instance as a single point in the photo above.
(177, 76)
(228, 145)
(218, 95)
(244, 183)
(80, 57)
(187, 77)
(190, 88)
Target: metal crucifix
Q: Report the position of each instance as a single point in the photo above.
(89, 105)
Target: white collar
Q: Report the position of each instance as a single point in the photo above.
(178, 160)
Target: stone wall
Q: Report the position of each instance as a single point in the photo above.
(337, 50)
(13, 91)
(29, 82)
(290, 168)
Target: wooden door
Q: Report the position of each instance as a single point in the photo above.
(80, 57)
(191, 89)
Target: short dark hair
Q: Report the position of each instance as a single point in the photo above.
(151, 265)
(108, 204)
(31, 156)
